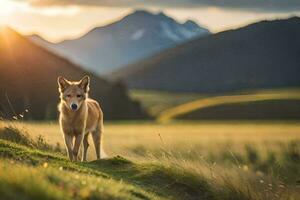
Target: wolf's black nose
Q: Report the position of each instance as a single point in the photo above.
(74, 107)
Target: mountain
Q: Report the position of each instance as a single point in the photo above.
(136, 36)
(260, 55)
(28, 81)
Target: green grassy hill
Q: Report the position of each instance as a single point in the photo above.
(268, 104)
(157, 101)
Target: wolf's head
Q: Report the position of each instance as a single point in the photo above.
(73, 93)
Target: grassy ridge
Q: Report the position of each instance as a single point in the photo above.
(55, 183)
(115, 178)
(70, 180)
(61, 179)
(198, 105)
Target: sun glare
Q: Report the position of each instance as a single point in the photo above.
(68, 11)
(7, 7)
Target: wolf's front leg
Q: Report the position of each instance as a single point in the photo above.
(85, 147)
(78, 141)
(69, 145)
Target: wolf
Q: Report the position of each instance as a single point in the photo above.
(79, 116)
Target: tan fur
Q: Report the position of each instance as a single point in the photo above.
(76, 123)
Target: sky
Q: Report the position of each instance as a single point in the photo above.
(56, 20)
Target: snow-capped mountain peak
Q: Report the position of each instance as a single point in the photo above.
(134, 37)
(137, 34)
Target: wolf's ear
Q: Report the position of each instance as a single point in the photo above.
(85, 83)
(62, 83)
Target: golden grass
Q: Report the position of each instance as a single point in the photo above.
(119, 139)
(258, 159)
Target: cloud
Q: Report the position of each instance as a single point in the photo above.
(258, 5)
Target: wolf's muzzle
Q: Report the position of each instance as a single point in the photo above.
(74, 106)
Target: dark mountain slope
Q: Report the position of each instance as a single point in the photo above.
(28, 81)
(262, 55)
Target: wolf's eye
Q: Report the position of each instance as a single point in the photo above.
(68, 95)
(79, 95)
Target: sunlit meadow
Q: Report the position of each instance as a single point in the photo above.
(257, 159)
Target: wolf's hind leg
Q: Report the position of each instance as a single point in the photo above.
(69, 145)
(97, 138)
(85, 146)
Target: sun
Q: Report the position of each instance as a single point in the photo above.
(7, 7)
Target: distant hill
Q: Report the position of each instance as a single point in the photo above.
(254, 105)
(261, 55)
(136, 36)
(28, 81)
(259, 110)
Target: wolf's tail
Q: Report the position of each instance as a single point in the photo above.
(102, 152)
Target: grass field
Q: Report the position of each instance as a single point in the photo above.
(196, 160)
